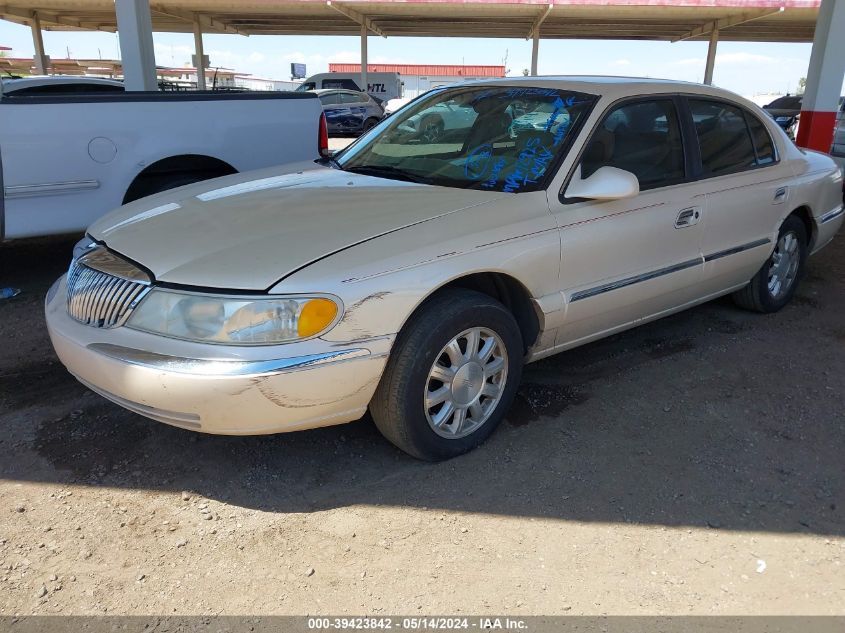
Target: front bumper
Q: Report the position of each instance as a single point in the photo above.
(219, 389)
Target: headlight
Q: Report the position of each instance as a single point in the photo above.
(233, 320)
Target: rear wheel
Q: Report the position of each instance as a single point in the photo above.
(775, 283)
(451, 377)
(369, 124)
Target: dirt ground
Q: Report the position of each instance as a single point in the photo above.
(692, 466)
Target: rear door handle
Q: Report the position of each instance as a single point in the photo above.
(687, 217)
(780, 195)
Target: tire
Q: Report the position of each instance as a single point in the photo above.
(761, 296)
(399, 404)
(369, 124)
(157, 184)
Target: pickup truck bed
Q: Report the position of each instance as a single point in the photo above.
(65, 160)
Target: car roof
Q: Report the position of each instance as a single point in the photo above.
(612, 87)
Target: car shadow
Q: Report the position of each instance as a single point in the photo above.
(712, 418)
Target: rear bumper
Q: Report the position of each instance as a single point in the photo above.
(828, 224)
(326, 385)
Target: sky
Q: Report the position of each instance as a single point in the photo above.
(745, 68)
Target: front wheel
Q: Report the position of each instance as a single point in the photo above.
(775, 283)
(451, 376)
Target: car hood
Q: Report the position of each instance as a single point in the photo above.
(248, 231)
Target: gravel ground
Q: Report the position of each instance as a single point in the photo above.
(691, 466)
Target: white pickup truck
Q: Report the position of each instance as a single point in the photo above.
(67, 159)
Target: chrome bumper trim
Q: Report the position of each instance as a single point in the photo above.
(832, 214)
(222, 368)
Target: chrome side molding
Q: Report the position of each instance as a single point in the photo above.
(49, 188)
(629, 281)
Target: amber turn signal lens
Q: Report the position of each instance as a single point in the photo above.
(315, 316)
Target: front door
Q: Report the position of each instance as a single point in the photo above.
(627, 260)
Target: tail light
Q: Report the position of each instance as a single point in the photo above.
(323, 136)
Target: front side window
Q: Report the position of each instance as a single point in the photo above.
(495, 138)
(723, 137)
(644, 138)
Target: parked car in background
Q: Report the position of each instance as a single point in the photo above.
(380, 86)
(440, 121)
(415, 279)
(549, 116)
(838, 149)
(58, 84)
(785, 110)
(392, 105)
(348, 111)
(67, 159)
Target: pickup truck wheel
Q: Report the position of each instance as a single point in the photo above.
(775, 283)
(451, 376)
(157, 184)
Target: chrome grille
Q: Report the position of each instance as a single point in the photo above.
(103, 289)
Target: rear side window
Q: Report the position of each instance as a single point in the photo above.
(762, 141)
(348, 97)
(723, 137)
(643, 138)
(332, 98)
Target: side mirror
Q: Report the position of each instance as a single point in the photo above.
(606, 183)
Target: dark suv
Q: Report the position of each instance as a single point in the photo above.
(785, 111)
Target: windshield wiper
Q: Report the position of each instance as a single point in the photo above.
(329, 161)
(387, 171)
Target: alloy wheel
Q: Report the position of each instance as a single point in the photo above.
(466, 383)
(783, 265)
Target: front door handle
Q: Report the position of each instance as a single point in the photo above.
(687, 217)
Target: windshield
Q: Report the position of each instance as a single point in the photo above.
(496, 138)
(305, 86)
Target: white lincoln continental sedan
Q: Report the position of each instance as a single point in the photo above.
(413, 274)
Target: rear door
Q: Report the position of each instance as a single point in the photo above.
(356, 109)
(743, 180)
(333, 110)
(631, 259)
